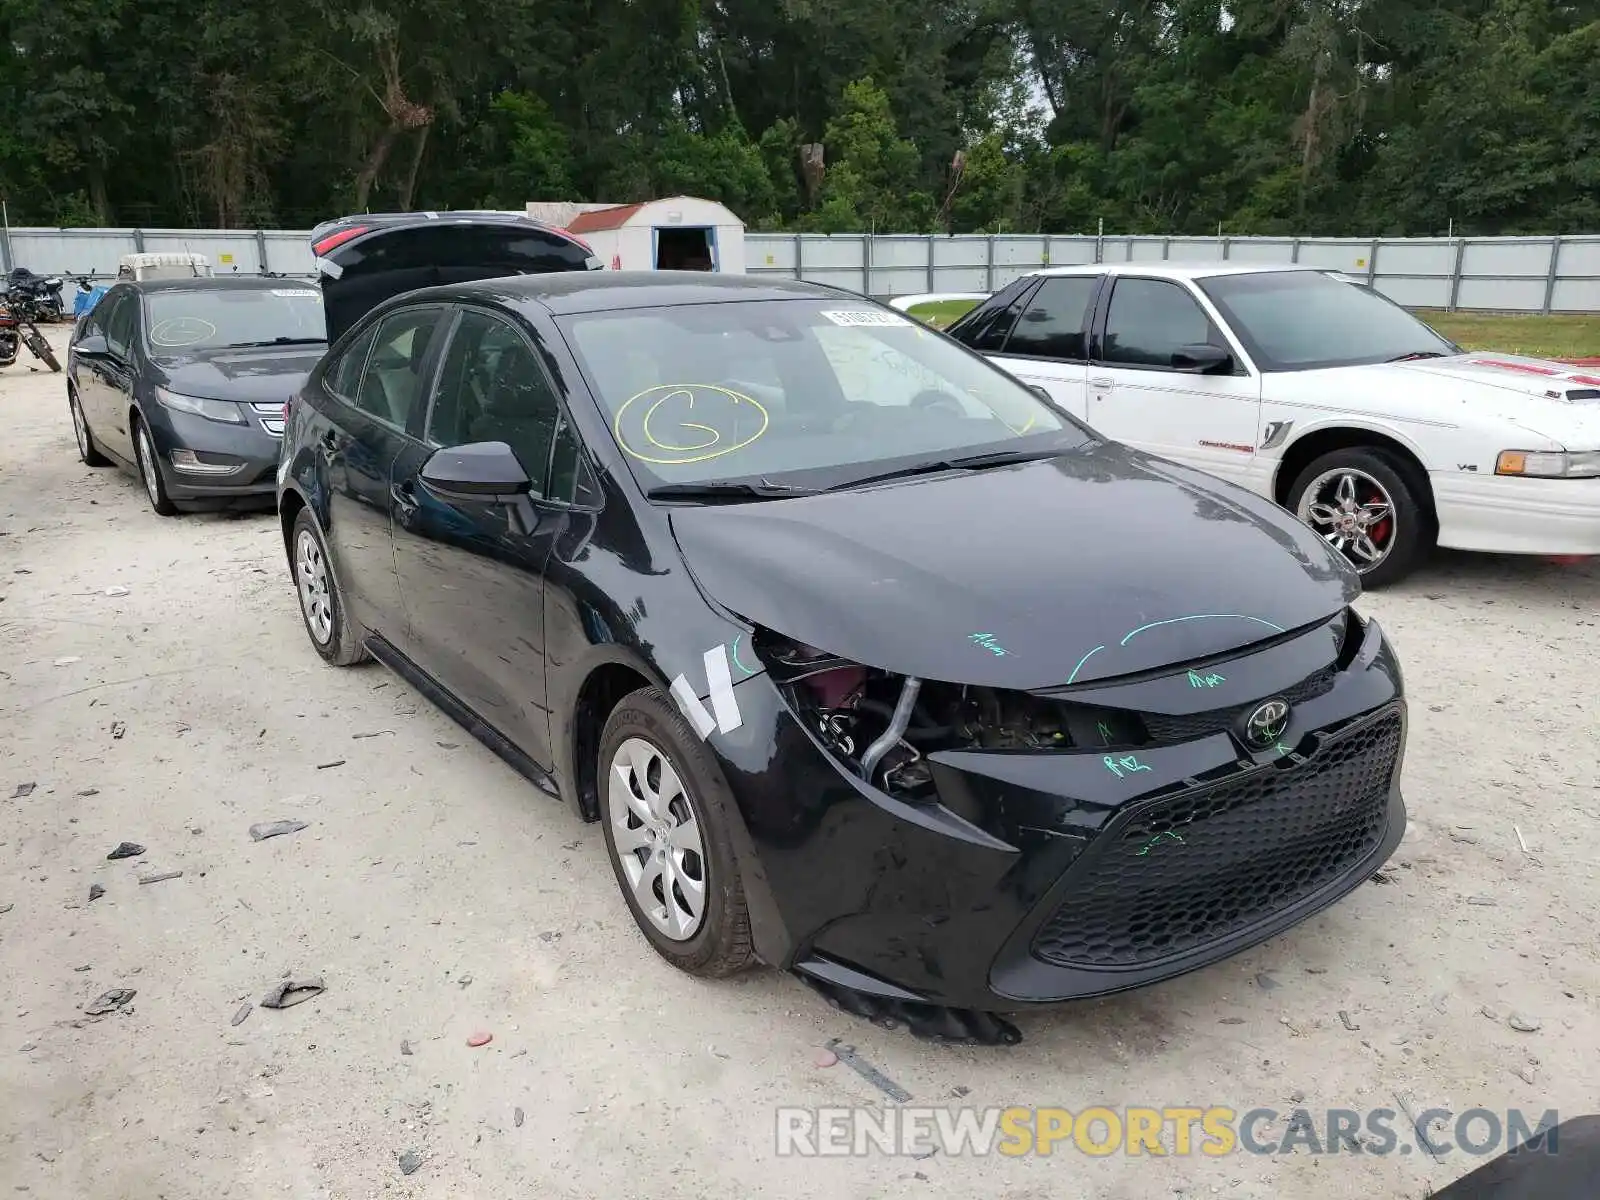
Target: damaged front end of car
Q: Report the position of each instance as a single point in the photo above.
(986, 849)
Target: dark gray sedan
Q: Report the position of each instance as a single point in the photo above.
(184, 382)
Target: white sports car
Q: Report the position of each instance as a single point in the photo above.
(1324, 395)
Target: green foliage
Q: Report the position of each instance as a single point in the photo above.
(1263, 116)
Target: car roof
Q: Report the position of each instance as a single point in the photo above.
(221, 283)
(567, 292)
(1176, 269)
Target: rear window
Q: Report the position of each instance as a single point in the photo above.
(183, 320)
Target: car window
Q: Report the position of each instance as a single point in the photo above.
(120, 323)
(1306, 320)
(180, 320)
(1148, 320)
(832, 389)
(391, 386)
(1052, 326)
(986, 326)
(343, 379)
(492, 389)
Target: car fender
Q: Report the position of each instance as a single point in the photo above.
(1325, 422)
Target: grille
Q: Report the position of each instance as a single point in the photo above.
(270, 415)
(1184, 870)
(1187, 728)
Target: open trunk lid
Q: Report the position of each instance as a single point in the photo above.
(364, 260)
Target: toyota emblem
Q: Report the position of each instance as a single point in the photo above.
(1264, 726)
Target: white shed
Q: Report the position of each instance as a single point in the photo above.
(680, 233)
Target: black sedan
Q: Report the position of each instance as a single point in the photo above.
(184, 382)
(872, 664)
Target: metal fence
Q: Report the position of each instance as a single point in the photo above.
(1528, 274)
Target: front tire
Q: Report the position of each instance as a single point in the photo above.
(321, 604)
(88, 452)
(1365, 505)
(155, 487)
(663, 800)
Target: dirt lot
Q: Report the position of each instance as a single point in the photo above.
(438, 895)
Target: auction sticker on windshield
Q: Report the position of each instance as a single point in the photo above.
(864, 316)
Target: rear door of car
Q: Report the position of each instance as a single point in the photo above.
(363, 261)
(368, 411)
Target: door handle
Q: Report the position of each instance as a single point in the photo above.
(1102, 382)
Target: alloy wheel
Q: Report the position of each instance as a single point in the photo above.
(657, 839)
(147, 467)
(1353, 513)
(311, 581)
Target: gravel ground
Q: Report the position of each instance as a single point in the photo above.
(437, 895)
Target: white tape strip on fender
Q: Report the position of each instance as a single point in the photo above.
(724, 715)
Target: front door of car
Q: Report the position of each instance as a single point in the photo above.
(379, 385)
(1138, 393)
(1046, 346)
(111, 391)
(471, 569)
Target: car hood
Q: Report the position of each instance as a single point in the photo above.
(1098, 563)
(1557, 400)
(271, 373)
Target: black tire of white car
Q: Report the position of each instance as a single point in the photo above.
(721, 945)
(1414, 532)
(343, 646)
(88, 452)
(155, 487)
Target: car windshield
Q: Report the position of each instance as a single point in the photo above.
(183, 320)
(1304, 320)
(823, 391)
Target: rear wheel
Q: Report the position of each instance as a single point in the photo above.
(41, 349)
(663, 797)
(87, 450)
(321, 605)
(1364, 505)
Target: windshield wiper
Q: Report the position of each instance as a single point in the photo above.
(969, 462)
(727, 489)
(285, 341)
(1417, 354)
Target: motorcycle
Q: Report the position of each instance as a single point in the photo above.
(15, 327)
(36, 297)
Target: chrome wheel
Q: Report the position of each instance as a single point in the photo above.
(1354, 513)
(657, 839)
(147, 467)
(79, 427)
(311, 580)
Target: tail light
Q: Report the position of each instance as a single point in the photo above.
(335, 240)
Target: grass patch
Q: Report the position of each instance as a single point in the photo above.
(940, 313)
(1535, 335)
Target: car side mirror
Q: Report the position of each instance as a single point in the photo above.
(1200, 357)
(484, 471)
(92, 345)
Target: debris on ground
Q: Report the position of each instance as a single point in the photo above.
(826, 1058)
(356, 737)
(116, 589)
(290, 992)
(95, 892)
(409, 1162)
(550, 935)
(109, 1001)
(1231, 1021)
(5, 908)
(263, 830)
(1482, 901)
(465, 981)
(28, 1047)
(125, 850)
(516, 1117)
(1523, 1023)
(1348, 1023)
(118, 728)
(480, 1039)
(1266, 982)
(448, 745)
(23, 789)
(244, 1011)
(1382, 877)
(68, 661)
(90, 792)
(848, 1055)
(338, 762)
(405, 1048)
(161, 877)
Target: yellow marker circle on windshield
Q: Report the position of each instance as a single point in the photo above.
(667, 406)
(182, 331)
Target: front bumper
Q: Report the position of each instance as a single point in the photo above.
(224, 464)
(1044, 877)
(1499, 514)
